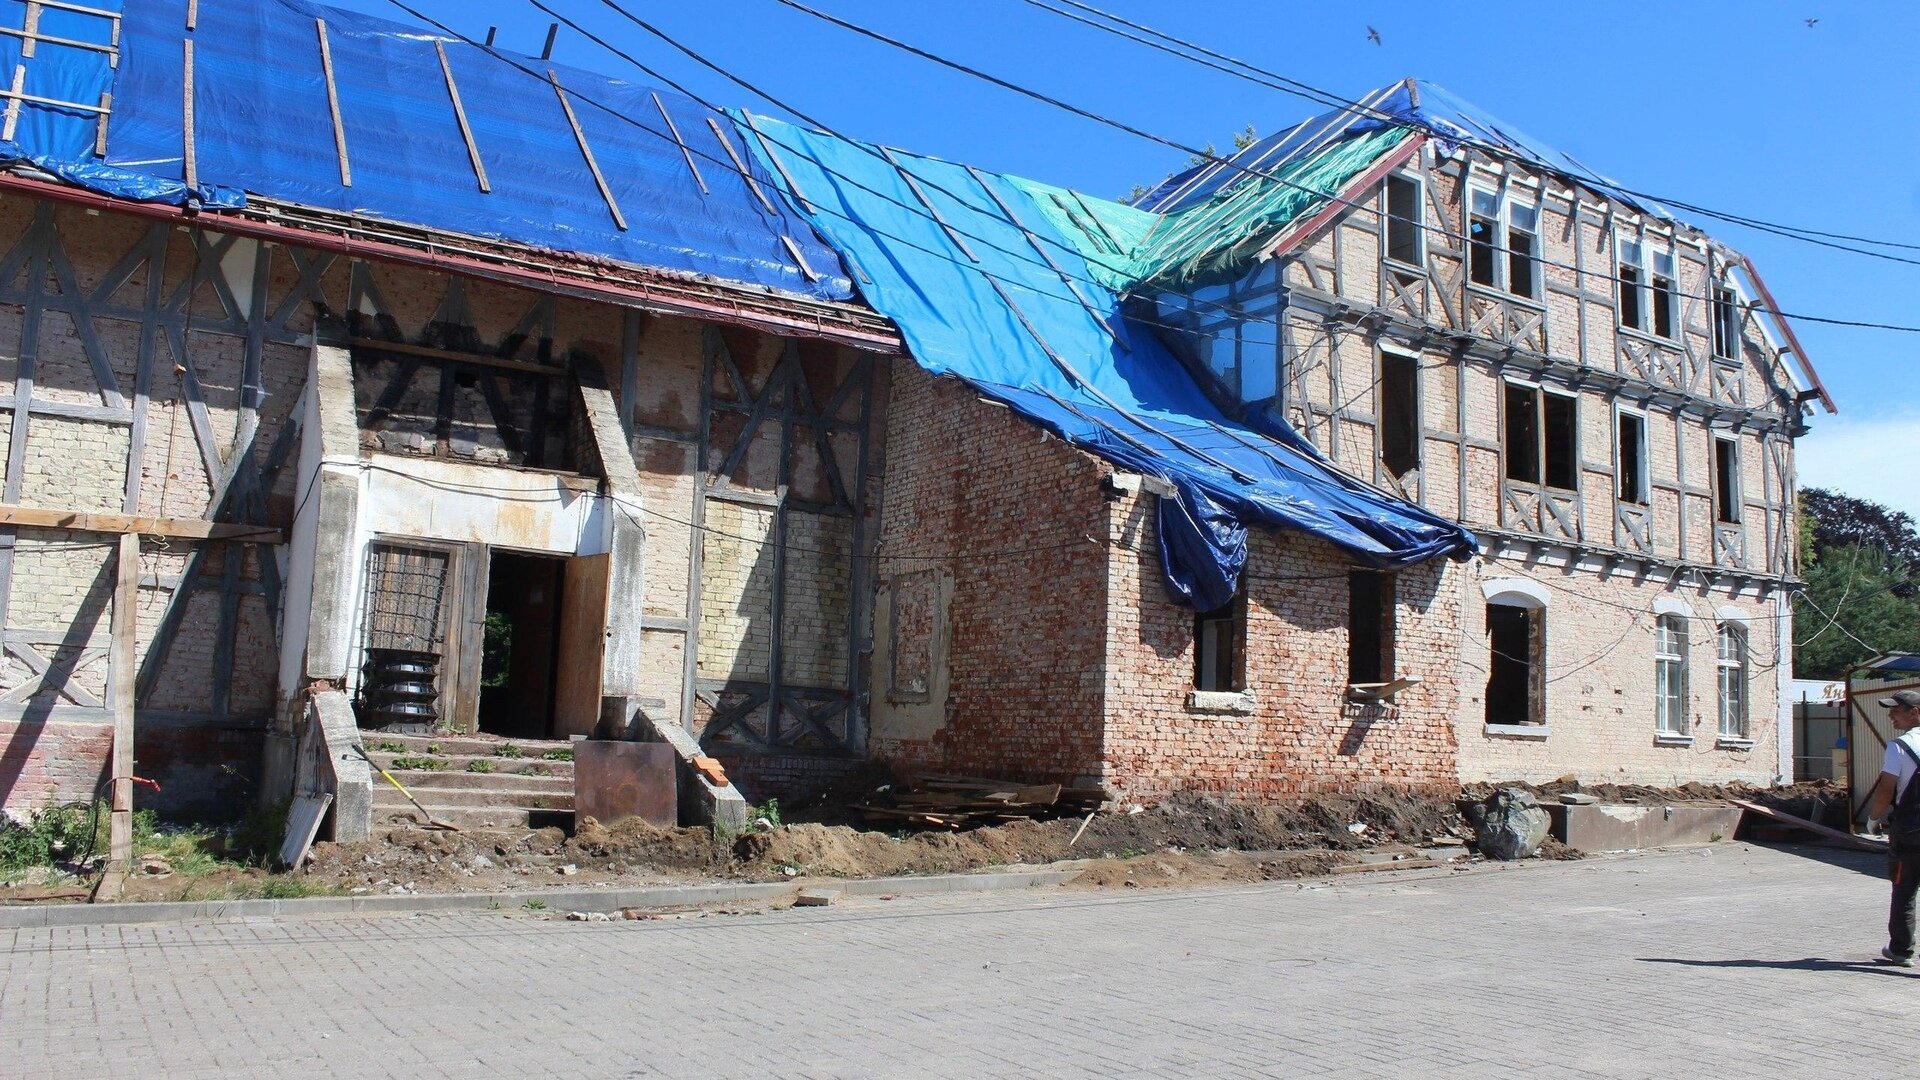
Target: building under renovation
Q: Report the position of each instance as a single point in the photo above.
(373, 389)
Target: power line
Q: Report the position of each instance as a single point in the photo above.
(1215, 159)
(1122, 27)
(917, 211)
(922, 212)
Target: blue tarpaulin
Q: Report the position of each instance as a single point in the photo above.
(977, 279)
(262, 126)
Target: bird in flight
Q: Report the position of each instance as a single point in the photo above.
(1810, 23)
(1374, 35)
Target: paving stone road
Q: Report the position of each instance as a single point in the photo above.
(1721, 961)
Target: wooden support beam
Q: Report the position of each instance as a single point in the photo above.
(460, 115)
(190, 162)
(125, 598)
(333, 103)
(134, 525)
(402, 348)
(586, 151)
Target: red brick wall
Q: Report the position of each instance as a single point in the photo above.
(49, 762)
(1300, 734)
(1026, 631)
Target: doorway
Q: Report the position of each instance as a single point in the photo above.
(520, 644)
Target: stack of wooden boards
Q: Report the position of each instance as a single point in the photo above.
(951, 802)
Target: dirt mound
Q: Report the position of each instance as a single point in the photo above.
(1816, 800)
(1170, 869)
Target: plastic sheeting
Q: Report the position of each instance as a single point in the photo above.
(980, 298)
(262, 125)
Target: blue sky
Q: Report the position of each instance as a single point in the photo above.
(1736, 106)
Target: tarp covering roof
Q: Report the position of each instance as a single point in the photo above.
(1220, 216)
(986, 287)
(262, 126)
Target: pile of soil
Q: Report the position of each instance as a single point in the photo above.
(1821, 801)
(1184, 835)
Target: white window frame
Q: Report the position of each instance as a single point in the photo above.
(1732, 677)
(1670, 676)
(1733, 483)
(1418, 221)
(1498, 218)
(1510, 206)
(1645, 462)
(1672, 256)
(1738, 305)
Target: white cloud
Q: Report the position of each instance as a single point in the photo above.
(1876, 458)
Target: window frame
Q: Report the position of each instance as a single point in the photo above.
(1417, 223)
(1234, 617)
(1497, 272)
(1541, 442)
(1533, 617)
(1533, 255)
(1502, 253)
(1728, 315)
(1732, 680)
(1386, 599)
(1642, 465)
(1727, 506)
(1416, 435)
(1670, 664)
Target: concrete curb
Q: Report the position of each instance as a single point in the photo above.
(555, 900)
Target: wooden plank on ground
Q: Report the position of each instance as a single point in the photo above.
(303, 824)
(1858, 843)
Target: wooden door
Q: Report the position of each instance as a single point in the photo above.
(583, 643)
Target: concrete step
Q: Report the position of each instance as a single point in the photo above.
(460, 764)
(476, 745)
(454, 778)
(471, 817)
(521, 798)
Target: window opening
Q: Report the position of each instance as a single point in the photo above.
(1399, 413)
(1523, 224)
(1670, 675)
(1665, 296)
(1631, 281)
(1732, 665)
(1631, 466)
(1726, 324)
(1523, 434)
(1562, 442)
(1483, 227)
(1543, 443)
(1516, 639)
(1217, 641)
(1405, 242)
(1726, 480)
(1370, 626)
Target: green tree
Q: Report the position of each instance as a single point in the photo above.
(1852, 610)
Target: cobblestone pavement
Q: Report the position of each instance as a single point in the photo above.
(1720, 961)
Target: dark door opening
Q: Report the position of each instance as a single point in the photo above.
(521, 645)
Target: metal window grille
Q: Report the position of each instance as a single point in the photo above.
(406, 595)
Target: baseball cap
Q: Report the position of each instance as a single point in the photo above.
(1908, 698)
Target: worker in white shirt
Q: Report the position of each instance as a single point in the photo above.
(1896, 796)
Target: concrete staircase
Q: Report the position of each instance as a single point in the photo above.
(473, 781)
